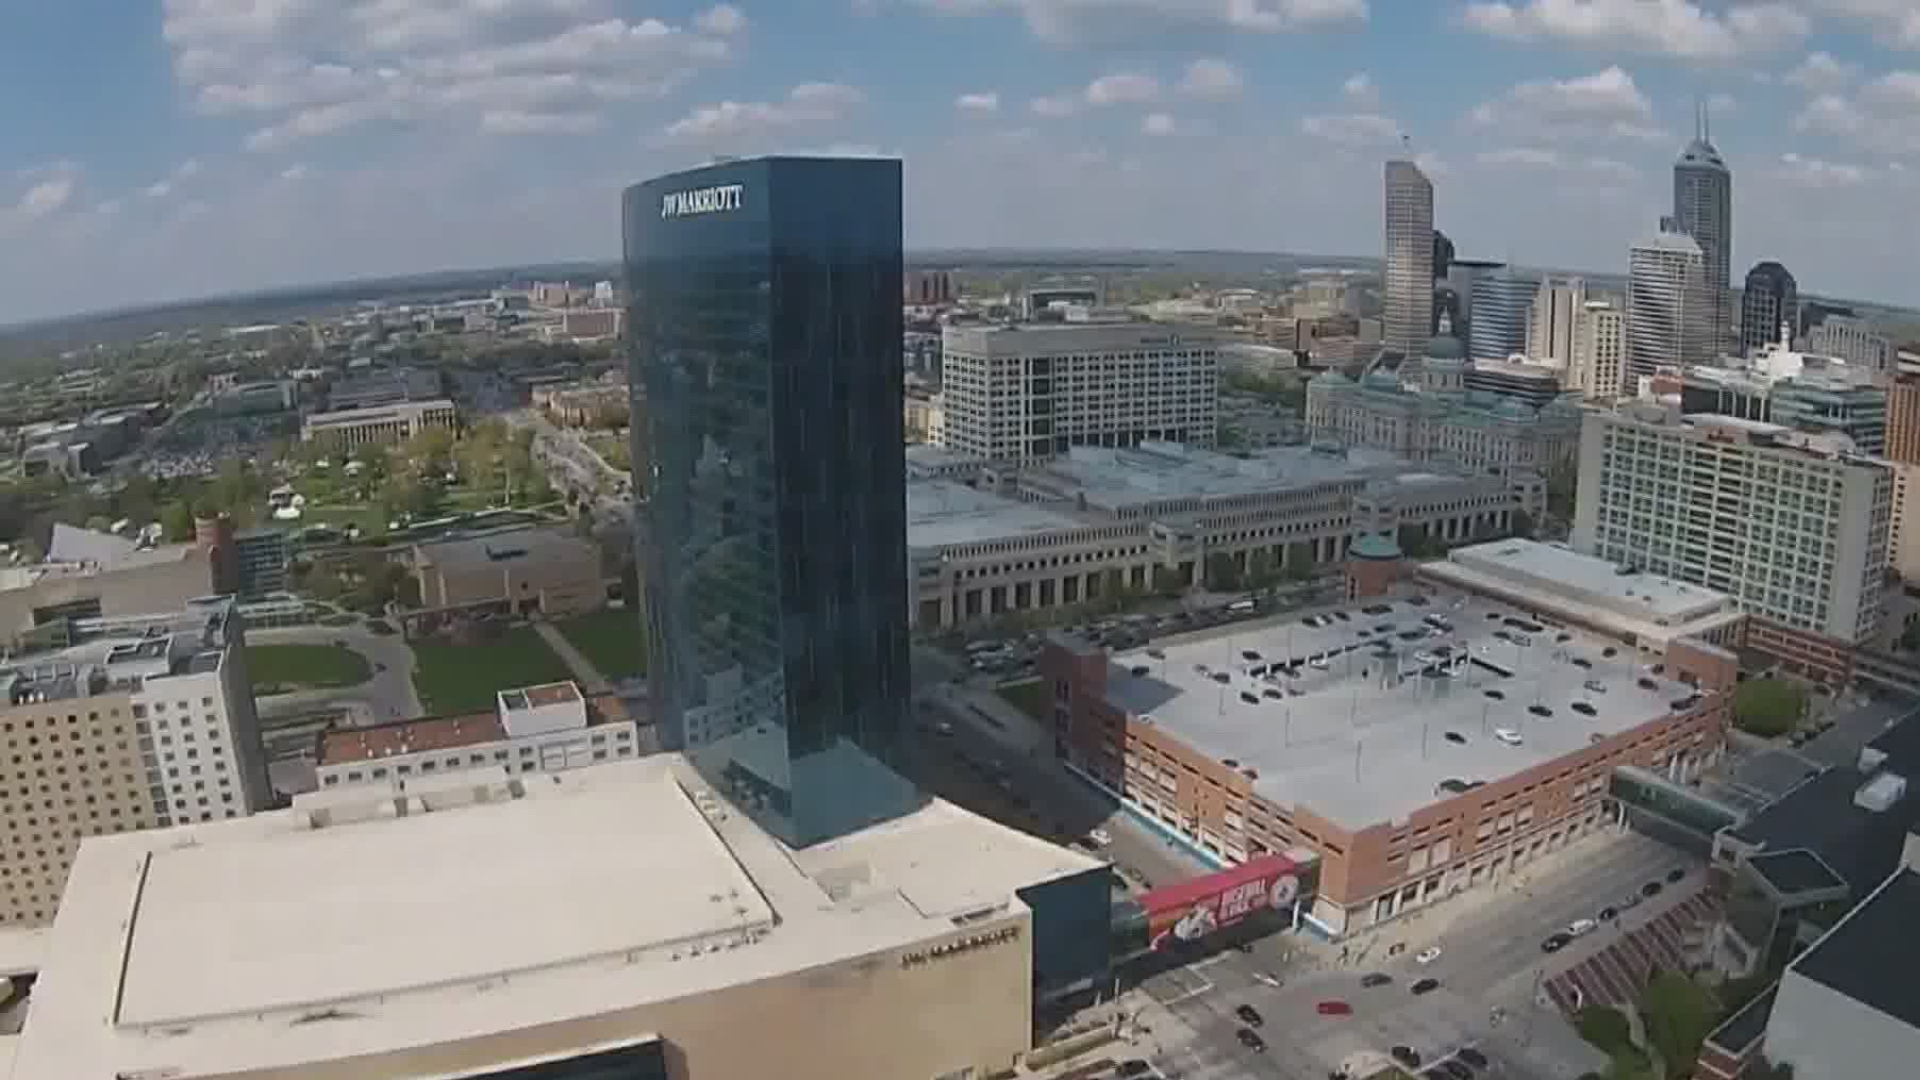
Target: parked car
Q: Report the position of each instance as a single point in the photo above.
(1406, 1056)
(1425, 986)
(1555, 942)
(1472, 1057)
(1375, 979)
(1427, 955)
(1582, 927)
(1333, 1008)
(1250, 1015)
(1250, 1039)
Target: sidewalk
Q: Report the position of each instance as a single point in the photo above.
(590, 679)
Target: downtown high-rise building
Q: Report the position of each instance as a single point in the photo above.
(1666, 304)
(765, 315)
(1552, 318)
(1407, 300)
(1500, 304)
(1769, 308)
(1599, 351)
(1703, 209)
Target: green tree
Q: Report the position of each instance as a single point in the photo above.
(176, 518)
(1678, 1015)
(1768, 708)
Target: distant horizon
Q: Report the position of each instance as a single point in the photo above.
(24, 329)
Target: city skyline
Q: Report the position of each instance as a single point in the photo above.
(225, 152)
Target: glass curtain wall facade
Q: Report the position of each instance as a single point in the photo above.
(765, 333)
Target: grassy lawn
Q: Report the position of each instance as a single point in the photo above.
(286, 668)
(463, 678)
(611, 639)
(341, 515)
(1029, 697)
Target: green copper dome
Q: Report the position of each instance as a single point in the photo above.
(1377, 546)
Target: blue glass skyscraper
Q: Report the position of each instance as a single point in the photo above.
(765, 333)
(1499, 303)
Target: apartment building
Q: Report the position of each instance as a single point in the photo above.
(382, 425)
(1026, 392)
(1438, 420)
(1793, 527)
(1554, 317)
(548, 728)
(119, 724)
(1599, 364)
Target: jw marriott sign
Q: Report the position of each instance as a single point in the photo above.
(712, 200)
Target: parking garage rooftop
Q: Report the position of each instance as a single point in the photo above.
(1383, 708)
(942, 513)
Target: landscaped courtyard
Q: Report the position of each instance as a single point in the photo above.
(464, 676)
(284, 669)
(611, 640)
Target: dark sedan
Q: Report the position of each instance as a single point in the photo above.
(1555, 943)
(1425, 986)
(1250, 1039)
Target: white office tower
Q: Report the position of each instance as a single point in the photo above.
(1028, 391)
(1667, 316)
(121, 724)
(1703, 209)
(1853, 340)
(1407, 306)
(1500, 304)
(1554, 317)
(1599, 363)
(1793, 525)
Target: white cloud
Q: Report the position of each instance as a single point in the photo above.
(159, 190)
(295, 172)
(1881, 118)
(1822, 73)
(187, 169)
(1353, 130)
(722, 20)
(1895, 23)
(529, 122)
(308, 68)
(1360, 90)
(978, 104)
(1126, 88)
(1158, 124)
(1054, 106)
(1606, 104)
(1722, 105)
(1213, 79)
(44, 198)
(1675, 28)
(809, 104)
(1811, 172)
(1599, 169)
(1081, 21)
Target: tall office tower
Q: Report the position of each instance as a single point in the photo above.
(1703, 209)
(155, 716)
(1500, 303)
(1666, 304)
(1599, 351)
(765, 326)
(1442, 255)
(1407, 303)
(1552, 317)
(1854, 340)
(1769, 308)
(1460, 280)
(1903, 420)
(1795, 529)
(1025, 393)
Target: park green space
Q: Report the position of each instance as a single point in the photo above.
(611, 640)
(287, 668)
(464, 677)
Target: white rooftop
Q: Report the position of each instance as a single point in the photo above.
(1116, 479)
(1561, 576)
(216, 948)
(941, 513)
(1366, 739)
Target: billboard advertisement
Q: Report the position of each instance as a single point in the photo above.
(1190, 910)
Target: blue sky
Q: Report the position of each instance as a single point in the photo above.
(158, 149)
